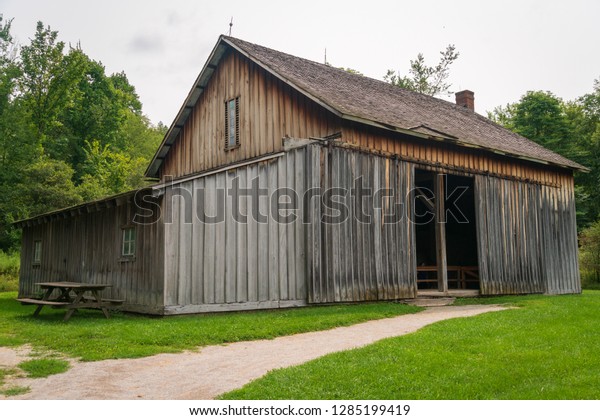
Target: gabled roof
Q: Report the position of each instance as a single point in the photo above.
(369, 101)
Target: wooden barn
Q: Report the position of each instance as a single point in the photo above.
(285, 182)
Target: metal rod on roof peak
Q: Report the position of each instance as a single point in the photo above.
(230, 25)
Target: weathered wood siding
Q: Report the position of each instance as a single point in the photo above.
(446, 156)
(527, 237)
(559, 236)
(233, 265)
(87, 248)
(355, 261)
(269, 111)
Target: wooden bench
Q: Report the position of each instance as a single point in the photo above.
(113, 301)
(31, 301)
(460, 275)
(72, 296)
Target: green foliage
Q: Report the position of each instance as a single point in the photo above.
(48, 185)
(9, 283)
(351, 71)
(571, 129)
(9, 271)
(589, 256)
(90, 336)
(430, 80)
(347, 69)
(549, 348)
(541, 117)
(9, 263)
(42, 368)
(56, 104)
(48, 81)
(109, 172)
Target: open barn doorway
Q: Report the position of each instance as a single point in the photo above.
(446, 252)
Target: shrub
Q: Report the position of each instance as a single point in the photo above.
(9, 271)
(589, 256)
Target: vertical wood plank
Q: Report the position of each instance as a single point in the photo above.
(440, 233)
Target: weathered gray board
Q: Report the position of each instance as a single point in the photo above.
(87, 248)
(232, 265)
(527, 237)
(526, 240)
(355, 261)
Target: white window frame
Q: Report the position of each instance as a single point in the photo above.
(128, 242)
(37, 252)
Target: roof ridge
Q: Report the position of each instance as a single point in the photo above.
(417, 99)
(370, 101)
(346, 73)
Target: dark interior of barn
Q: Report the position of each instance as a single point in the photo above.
(460, 231)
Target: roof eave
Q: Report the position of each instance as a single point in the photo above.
(389, 127)
(214, 58)
(83, 208)
(457, 142)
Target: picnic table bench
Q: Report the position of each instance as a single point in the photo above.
(72, 296)
(459, 275)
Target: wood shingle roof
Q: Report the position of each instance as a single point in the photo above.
(374, 102)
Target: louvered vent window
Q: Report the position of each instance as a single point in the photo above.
(232, 123)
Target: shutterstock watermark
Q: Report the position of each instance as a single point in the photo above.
(256, 203)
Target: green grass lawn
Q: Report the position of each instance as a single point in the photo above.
(42, 368)
(89, 336)
(547, 348)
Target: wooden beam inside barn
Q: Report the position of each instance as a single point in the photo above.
(440, 233)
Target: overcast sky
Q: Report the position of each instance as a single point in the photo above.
(506, 47)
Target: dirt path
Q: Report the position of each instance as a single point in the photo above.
(213, 370)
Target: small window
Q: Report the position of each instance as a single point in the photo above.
(232, 123)
(128, 249)
(37, 252)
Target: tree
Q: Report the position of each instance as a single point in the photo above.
(541, 117)
(14, 152)
(584, 116)
(346, 69)
(351, 71)
(68, 131)
(48, 81)
(97, 112)
(589, 255)
(109, 172)
(571, 129)
(430, 80)
(48, 185)
(9, 74)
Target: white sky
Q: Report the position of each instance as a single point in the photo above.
(506, 47)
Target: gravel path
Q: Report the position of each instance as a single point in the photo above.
(213, 370)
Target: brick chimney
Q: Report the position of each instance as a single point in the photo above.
(466, 99)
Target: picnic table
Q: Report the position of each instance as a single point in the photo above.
(72, 296)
